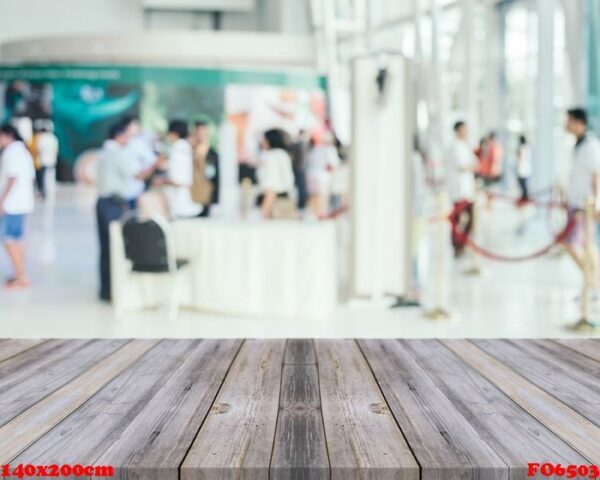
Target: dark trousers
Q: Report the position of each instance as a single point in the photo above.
(107, 210)
(40, 181)
(524, 186)
(205, 213)
(300, 181)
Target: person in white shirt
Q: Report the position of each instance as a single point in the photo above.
(47, 146)
(180, 173)
(462, 165)
(524, 168)
(17, 175)
(583, 185)
(142, 153)
(275, 172)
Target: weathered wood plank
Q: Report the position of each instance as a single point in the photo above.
(444, 443)
(573, 428)
(145, 419)
(23, 430)
(563, 373)
(162, 433)
(363, 439)
(588, 347)
(300, 450)
(236, 440)
(9, 347)
(27, 378)
(301, 352)
(514, 434)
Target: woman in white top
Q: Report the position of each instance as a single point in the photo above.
(180, 173)
(275, 174)
(524, 168)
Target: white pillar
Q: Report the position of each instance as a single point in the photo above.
(442, 127)
(544, 171)
(576, 48)
(466, 38)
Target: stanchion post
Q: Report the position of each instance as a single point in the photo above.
(585, 324)
(475, 269)
(439, 312)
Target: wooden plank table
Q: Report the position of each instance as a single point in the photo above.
(301, 409)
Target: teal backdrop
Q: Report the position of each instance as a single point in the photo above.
(84, 100)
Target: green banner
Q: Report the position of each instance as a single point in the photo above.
(167, 75)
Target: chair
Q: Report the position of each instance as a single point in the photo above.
(149, 248)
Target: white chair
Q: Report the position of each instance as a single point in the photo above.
(150, 250)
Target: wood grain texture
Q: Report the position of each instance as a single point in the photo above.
(145, 419)
(516, 436)
(363, 439)
(587, 347)
(27, 378)
(573, 428)
(301, 409)
(301, 352)
(300, 451)
(444, 443)
(9, 347)
(563, 373)
(23, 430)
(236, 440)
(154, 444)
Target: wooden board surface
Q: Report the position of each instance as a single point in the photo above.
(301, 409)
(299, 448)
(362, 436)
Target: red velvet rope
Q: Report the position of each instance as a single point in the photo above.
(454, 218)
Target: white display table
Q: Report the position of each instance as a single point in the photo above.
(254, 268)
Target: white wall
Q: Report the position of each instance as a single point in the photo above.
(22, 19)
(36, 18)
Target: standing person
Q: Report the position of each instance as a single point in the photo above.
(322, 161)
(32, 146)
(115, 170)
(524, 168)
(584, 183)
(481, 152)
(462, 165)
(275, 176)
(300, 151)
(142, 154)
(47, 147)
(205, 187)
(17, 175)
(494, 159)
(180, 173)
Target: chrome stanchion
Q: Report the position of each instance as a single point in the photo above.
(439, 312)
(475, 270)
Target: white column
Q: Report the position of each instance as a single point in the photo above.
(576, 47)
(544, 171)
(465, 38)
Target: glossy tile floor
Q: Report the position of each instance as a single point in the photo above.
(530, 299)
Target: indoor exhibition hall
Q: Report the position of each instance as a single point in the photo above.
(422, 177)
(300, 239)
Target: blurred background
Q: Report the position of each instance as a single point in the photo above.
(368, 95)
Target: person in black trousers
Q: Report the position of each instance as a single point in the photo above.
(115, 170)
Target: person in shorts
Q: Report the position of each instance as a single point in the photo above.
(584, 183)
(17, 175)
